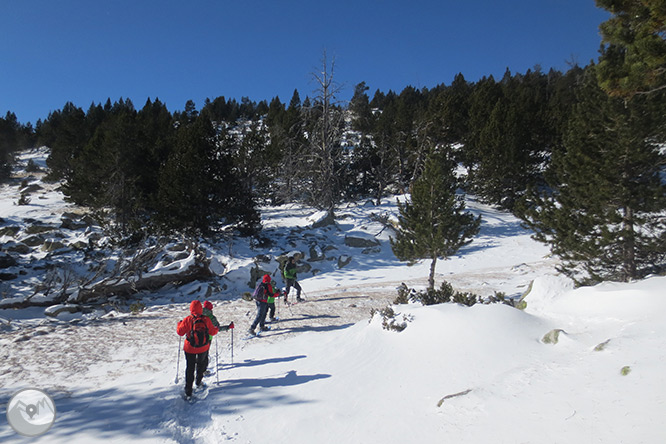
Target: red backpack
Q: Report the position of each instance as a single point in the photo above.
(198, 335)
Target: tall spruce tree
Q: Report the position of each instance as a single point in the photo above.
(434, 223)
(603, 214)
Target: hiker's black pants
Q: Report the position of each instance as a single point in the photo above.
(292, 283)
(196, 363)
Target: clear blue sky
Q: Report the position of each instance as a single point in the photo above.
(84, 51)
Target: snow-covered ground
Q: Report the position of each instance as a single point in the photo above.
(330, 373)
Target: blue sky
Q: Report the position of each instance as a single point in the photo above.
(86, 51)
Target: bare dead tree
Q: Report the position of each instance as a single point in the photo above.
(325, 155)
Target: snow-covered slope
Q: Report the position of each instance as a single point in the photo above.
(330, 373)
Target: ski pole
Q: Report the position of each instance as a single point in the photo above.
(232, 342)
(178, 360)
(217, 363)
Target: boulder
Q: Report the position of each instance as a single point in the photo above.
(256, 273)
(16, 247)
(316, 253)
(344, 260)
(72, 224)
(52, 245)
(553, 336)
(360, 240)
(322, 219)
(10, 231)
(372, 250)
(34, 240)
(37, 229)
(7, 261)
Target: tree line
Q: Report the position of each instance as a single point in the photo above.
(577, 155)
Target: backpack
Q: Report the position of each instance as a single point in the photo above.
(198, 335)
(259, 292)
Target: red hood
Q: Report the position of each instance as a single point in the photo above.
(196, 308)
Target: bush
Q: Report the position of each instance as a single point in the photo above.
(137, 307)
(445, 294)
(389, 319)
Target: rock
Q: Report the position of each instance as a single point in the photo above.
(322, 219)
(80, 245)
(360, 240)
(36, 229)
(316, 254)
(71, 224)
(7, 261)
(263, 258)
(372, 250)
(7, 276)
(34, 240)
(344, 260)
(10, 231)
(553, 336)
(16, 247)
(256, 273)
(52, 245)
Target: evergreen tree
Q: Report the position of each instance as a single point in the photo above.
(8, 141)
(634, 53)
(66, 132)
(360, 109)
(434, 224)
(198, 185)
(603, 212)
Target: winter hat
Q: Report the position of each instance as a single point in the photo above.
(267, 278)
(195, 308)
(208, 305)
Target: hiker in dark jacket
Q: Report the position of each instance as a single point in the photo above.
(196, 328)
(289, 275)
(262, 292)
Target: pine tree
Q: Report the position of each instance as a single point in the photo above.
(634, 55)
(199, 185)
(434, 224)
(603, 213)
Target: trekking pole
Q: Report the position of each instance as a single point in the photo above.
(178, 360)
(288, 305)
(217, 363)
(232, 342)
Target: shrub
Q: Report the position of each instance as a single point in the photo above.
(137, 307)
(389, 319)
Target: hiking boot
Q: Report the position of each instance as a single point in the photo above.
(251, 332)
(299, 299)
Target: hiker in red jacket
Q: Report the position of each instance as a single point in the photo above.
(197, 330)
